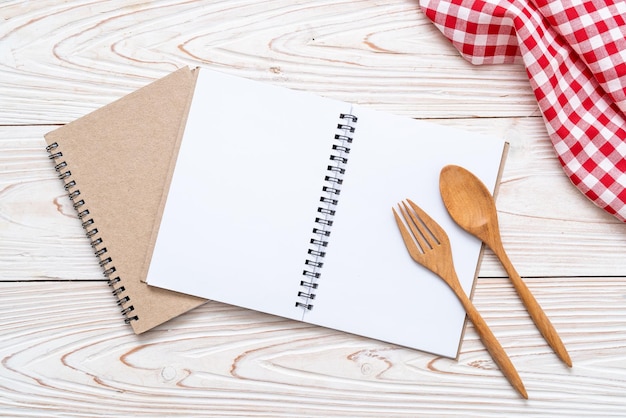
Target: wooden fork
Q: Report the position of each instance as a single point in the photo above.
(428, 245)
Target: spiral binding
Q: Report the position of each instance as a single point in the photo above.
(88, 225)
(326, 211)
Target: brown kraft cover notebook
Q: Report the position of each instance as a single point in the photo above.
(116, 164)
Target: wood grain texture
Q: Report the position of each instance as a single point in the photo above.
(64, 349)
(83, 54)
(544, 219)
(41, 237)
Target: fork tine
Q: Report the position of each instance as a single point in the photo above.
(435, 231)
(417, 225)
(406, 235)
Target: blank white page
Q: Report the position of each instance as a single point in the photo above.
(244, 193)
(369, 284)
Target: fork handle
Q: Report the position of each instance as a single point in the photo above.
(493, 345)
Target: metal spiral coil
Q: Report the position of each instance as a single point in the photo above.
(327, 210)
(96, 242)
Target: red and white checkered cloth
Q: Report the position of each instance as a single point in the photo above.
(575, 56)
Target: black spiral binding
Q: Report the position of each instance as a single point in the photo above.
(326, 210)
(88, 225)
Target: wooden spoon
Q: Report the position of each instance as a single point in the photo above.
(471, 206)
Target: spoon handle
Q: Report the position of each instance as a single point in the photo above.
(537, 314)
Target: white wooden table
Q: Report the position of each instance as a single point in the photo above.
(64, 349)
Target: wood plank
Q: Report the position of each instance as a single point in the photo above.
(544, 218)
(65, 351)
(63, 59)
(40, 235)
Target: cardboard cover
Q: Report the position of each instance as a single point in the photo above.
(121, 158)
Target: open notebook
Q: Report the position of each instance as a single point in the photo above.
(281, 202)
